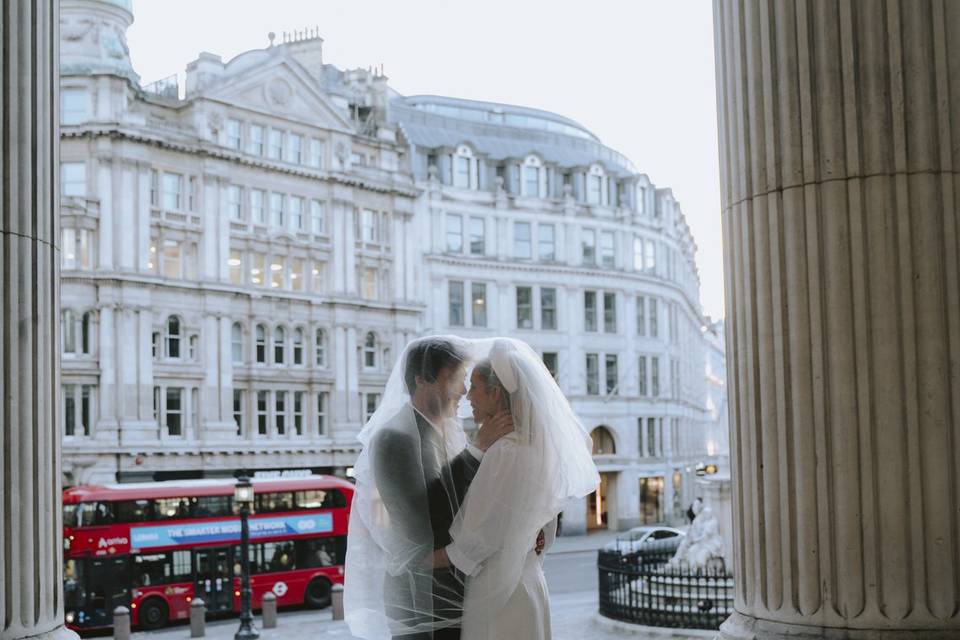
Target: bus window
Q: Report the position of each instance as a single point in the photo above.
(281, 555)
(317, 552)
(71, 514)
(134, 510)
(182, 567)
(273, 502)
(172, 508)
(151, 569)
(73, 593)
(320, 499)
(212, 506)
(95, 513)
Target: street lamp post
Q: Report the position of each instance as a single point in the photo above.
(243, 497)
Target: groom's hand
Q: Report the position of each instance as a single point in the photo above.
(493, 429)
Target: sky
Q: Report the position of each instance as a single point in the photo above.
(637, 73)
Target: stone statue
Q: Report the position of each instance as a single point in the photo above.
(702, 542)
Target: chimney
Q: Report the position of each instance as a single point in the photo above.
(202, 72)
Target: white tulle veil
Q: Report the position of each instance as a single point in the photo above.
(523, 482)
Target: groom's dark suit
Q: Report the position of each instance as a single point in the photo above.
(422, 493)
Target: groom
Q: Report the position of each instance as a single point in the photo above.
(422, 488)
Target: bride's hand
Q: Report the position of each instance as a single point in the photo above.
(493, 429)
(436, 559)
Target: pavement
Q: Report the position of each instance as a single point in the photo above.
(570, 569)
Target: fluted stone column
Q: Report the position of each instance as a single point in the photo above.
(839, 145)
(31, 592)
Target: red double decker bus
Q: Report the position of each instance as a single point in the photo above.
(153, 547)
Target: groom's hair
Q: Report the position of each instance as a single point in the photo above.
(427, 358)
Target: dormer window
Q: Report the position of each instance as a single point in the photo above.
(595, 185)
(464, 168)
(532, 177)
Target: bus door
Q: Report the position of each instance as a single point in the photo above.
(213, 576)
(108, 587)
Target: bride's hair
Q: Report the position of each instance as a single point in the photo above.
(484, 369)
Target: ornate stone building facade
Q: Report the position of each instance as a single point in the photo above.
(245, 255)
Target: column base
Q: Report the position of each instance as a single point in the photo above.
(742, 627)
(59, 633)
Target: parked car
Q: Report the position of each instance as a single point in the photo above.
(647, 538)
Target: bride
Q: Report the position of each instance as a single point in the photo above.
(521, 486)
(444, 535)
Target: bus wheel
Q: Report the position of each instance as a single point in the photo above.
(153, 613)
(317, 595)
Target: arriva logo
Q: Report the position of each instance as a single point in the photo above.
(109, 542)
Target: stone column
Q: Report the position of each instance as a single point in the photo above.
(31, 582)
(839, 133)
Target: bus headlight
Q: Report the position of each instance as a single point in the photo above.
(70, 617)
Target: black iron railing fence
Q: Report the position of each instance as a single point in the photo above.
(643, 589)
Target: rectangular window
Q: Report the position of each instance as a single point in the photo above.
(531, 182)
(637, 253)
(642, 376)
(258, 212)
(69, 410)
(276, 209)
(296, 148)
(593, 374)
(612, 375)
(589, 310)
(68, 247)
(280, 412)
(73, 106)
(478, 304)
(461, 174)
(174, 412)
(258, 265)
(172, 263)
(588, 244)
(192, 194)
(233, 134)
(454, 233)
(298, 412)
(73, 179)
(256, 140)
(652, 319)
(521, 240)
(650, 257)
(172, 191)
(318, 220)
(235, 266)
(317, 277)
(275, 150)
(296, 274)
(477, 236)
(548, 308)
(369, 226)
(154, 188)
(641, 316)
(322, 413)
(610, 312)
(238, 410)
(234, 202)
(296, 213)
(262, 413)
(368, 285)
(607, 249)
(655, 376)
(86, 409)
(651, 437)
(524, 308)
(594, 188)
(316, 153)
(550, 362)
(276, 272)
(455, 290)
(370, 405)
(548, 242)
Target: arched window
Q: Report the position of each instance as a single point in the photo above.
(261, 344)
(236, 343)
(321, 348)
(603, 444)
(370, 351)
(172, 338)
(69, 331)
(298, 346)
(85, 333)
(279, 338)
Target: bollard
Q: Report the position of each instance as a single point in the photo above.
(337, 602)
(198, 618)
(268, 610)
(121, 623)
